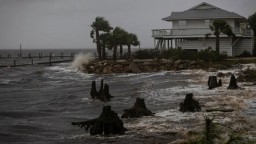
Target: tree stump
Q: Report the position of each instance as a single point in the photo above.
(107, 123)
(220, 83)
(212, 82)
(93, 90)
(190, 104)
(232, 83)
(103, 94)
(138, 110)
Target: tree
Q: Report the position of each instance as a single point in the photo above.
(132, 39)
(104, 40)
(118, 39)
(252, 21)
(218, 27)
(122, 37)
(100, 24)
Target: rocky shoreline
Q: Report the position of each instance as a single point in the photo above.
(139, 66)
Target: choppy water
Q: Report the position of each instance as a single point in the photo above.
(38, 103)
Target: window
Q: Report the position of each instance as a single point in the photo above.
(182, 24)
(207, 22)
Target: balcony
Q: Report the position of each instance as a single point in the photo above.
(199, 32)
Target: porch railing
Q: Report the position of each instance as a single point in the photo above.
(195, 31)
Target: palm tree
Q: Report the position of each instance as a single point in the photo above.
(218, 27)
(119, 37)
(104, 41)
(100, 24)
(132, 39)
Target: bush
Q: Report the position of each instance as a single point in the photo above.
(147, 54)
(208, 55)
(245, 54)
(178, 53)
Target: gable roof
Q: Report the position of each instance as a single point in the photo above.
(203, 11)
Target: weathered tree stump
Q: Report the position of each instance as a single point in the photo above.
(93, 92)
(232, 83)
(103, 94)
(212, 82)
(220, 83)
(138, 110)
(107, 123)
(190, 104)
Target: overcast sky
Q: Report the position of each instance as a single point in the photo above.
(66, 23)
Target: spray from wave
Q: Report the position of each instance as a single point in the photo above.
(81, 59)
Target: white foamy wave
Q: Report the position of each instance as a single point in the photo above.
(80, 60)
(249, 66)
(68, 70)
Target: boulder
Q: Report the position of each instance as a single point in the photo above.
(134, 68)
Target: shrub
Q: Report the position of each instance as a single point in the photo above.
(211, 55)
(147, 54)
(245, 54)
(178, 53)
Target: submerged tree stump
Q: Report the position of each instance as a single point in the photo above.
(212, 82)
(232, 83)
(138, 110)
(189, 104)
(107, 123)
(103, 94)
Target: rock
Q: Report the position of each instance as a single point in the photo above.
(107, 123)
(212, 70)
(193, 62)
(134, 68)
(138, 110)
(107, 69)
(220, 74)
(189, 104)
(232, 84)
(178, 62)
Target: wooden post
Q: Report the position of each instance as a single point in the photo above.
(50, 59)
(168, 45)
(14, 63)
(32, 61)
(171, 44)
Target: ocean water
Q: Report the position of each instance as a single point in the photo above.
(39, 102)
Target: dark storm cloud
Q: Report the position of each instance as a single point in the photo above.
(65, 23)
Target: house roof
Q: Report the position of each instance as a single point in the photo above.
(203, 11)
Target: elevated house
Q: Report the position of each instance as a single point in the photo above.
(190, 28)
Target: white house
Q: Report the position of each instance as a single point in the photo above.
(189, 29)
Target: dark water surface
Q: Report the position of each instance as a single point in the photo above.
(38, 103)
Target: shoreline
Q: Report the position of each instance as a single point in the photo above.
(147, 66)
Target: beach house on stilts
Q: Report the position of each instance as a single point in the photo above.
(190, 28)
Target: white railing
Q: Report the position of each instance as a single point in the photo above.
(195, 31)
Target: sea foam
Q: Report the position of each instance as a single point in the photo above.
(80, 60)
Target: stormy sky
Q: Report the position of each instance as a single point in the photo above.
(66, 23)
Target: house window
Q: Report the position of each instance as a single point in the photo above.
(207, 22)
(182, 24)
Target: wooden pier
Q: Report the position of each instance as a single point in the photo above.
(40, 59)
